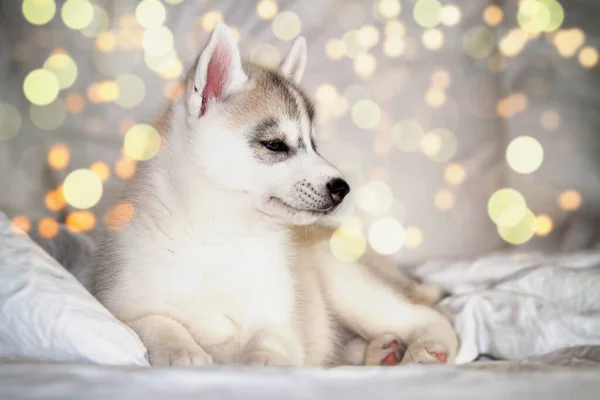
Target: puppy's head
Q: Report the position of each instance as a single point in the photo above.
(254, 132)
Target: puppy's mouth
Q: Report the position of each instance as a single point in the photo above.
(277, 202)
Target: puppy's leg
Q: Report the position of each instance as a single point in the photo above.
(371, 308)
(273, 346)
(168, 342)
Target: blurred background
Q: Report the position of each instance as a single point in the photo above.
(463, 126)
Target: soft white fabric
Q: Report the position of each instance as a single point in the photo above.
(46, 314)
(512, 306)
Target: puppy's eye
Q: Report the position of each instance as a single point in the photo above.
(275, 145)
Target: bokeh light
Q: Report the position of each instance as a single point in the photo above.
(267, 9)
(543, 225)
(59, 156)
(210, 19)
(77, 14)
(132, 90)
(569, 200)
(82, 188)
(375, 197)
(524, 154)
(157, 41)
(125, 168)
(10, 121)
(428, 13)
(413, 237)
(41, 87)
(286, 25)
(55, 200)
(386, 236)
(387, 8)
(48, 227)
(20, 224)
(479, 42)
(142, 142)
(568, 41)
(439, 144)
(63, 66)
(335, 49)
(493, 15)
(444, 200)
(100, 23)
(588, 57)
(348, 243)
(407, 135)
(366, 114)
(38, 12)
(101, 169)
(450, 15)
(81, 221)
(454, 174)
(503, 199)
(432, 39)
(521, 232)
(364, 65)
(150, 13)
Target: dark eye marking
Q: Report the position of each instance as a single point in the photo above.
(275, 145)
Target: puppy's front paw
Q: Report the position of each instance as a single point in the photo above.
(180, 357)
(426, 352)
(262, 358)
(386, 349)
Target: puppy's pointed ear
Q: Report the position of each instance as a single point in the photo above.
(295, 62)
(218, 71)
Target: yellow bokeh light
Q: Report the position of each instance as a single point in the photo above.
(132, 90)
(81, 221)
(435, 97)
(368, 36)
(568, 41)
(543, 225)
(407, 135)
(157, 41)
(348, 243)
(55, 200)
(394, 47)
(450, 15)
(439, 144)
(454, 174)
(41, 87)
(65, 69)
(150, 13)
(493, 15)
(10, 121)
(524, 154)
(413, 237)
(569, 200)
(48, 117)
(335, 49)
(38, 12)
(354, 46)
(211, 19)
(173, 1)
(479, 42)
(364, 65)
(286, 25)
(326, 94)
(142, 142)
(512, 215)
(101, 169)
(428, 13)
(386, 236)
(588, 57)
(82, 188)
(501, 200)
(533, 16)
(375, 197)
(77, 14)
(100, 23)
(521, 232)
(59, 156)
(125, 168)
(394, 29)
(444, 200)
(267, 9)
(387, 8)
(106, 42)
(513, 43)
(512, 105)
(366, 114)
(433, 39)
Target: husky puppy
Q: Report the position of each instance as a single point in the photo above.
(209, 268)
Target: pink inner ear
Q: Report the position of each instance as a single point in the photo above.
(217, 76)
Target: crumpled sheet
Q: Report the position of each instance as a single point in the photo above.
(46, 314)
(513, 306)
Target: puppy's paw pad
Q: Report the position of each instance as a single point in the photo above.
(386, 349)
(429, 352)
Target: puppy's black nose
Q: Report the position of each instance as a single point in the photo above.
(338, 189)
